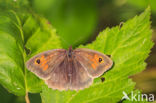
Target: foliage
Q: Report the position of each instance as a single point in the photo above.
(14, 76)
(129, 47)
(75, 20)
(23, 35)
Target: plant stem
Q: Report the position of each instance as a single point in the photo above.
(27, 98)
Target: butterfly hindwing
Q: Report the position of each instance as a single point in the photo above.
(80, 77)
(69, 74)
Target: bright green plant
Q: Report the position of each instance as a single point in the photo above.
(129, 47)
(25, 35)
(75, 20)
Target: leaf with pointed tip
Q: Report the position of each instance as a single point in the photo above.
(128, 46)
(16, 35)
(41, 37)
(11, 53)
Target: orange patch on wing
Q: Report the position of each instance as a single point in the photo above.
(45, 67)
(93, 66)
(95, 62)
(43, 63)
(42, 58)
(96, 56)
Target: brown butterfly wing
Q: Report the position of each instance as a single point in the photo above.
(69, 74)
(59, 77)
(94, 62)
(80, 77)
(61, 72)
(44, 63)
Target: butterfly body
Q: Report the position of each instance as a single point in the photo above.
(69, 69)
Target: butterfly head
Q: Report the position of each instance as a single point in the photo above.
(70, 50)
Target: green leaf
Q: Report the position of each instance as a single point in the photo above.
(128, 46)
(17, 38)
(41, 37)
(55, 96)
(16, 5)
(11, 53)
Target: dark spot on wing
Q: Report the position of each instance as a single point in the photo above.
(100, 60)
(38, 61)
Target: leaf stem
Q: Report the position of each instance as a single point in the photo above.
(27, 98)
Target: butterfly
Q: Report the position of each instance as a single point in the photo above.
(69, 69)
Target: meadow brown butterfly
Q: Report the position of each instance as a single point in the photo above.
(69, 69)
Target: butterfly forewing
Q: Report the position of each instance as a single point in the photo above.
(43, 63)
(94, 62)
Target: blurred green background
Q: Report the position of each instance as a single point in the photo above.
(79, 22)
